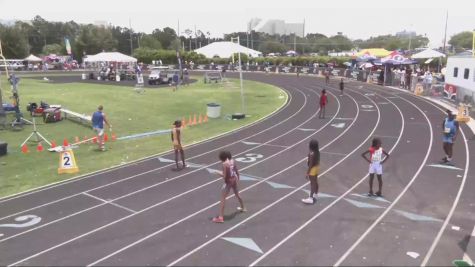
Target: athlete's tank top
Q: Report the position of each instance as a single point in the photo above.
(376, 154)
(449, 127)
(175, 136)
(98, 120)
(231, 171)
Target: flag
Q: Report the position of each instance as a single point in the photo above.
(473, 44)
(68, 46)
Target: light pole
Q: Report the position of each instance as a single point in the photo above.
(243, 109)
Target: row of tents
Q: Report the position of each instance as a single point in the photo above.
(379, 57)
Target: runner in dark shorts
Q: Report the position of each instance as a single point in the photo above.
(323, 104)
(177, 147)
(230, 175)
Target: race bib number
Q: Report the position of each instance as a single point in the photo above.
(446, 130)
(377, 156)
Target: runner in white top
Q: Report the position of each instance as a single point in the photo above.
(375, 164)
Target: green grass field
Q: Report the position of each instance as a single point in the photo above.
(129, 113)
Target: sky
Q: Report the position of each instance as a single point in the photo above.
(356, 19)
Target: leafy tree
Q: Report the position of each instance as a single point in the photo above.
(14, 42)
(93, 39)
(149, 41)
(341, 43)
(267, 47)
(53, 49)
(165, 36)
(462, 40)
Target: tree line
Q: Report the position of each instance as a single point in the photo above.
(42, 37)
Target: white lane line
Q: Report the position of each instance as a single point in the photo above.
(110, 202)
(160, 203)
(376, 222)
(333, 153)
(467, 259)
(456, 200)
(280, 199)
(153, 185)
(473, 231)
(335, 201)
(388, 136)
(277, 111)
(253, 143)
(150, 171)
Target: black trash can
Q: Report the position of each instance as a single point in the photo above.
(3, 148)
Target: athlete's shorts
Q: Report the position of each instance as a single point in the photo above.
(229, 185)
(99, 131)
(376, 167)
(314, 171)
(448, 139)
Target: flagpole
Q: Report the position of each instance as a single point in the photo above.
(445, 34)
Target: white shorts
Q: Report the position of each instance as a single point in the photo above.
(99, 131)
(376, 167)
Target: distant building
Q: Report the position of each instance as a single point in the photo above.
(406, 34)
(276, 26)
(101, 23)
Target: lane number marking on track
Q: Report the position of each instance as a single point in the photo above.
(250, 157)
(24, 221)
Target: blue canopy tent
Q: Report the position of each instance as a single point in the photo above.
(394, 59)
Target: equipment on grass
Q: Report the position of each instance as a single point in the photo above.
(36, 134)
(69, 146)
(52, 115)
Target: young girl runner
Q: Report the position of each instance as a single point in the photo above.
(176, 139)
(230, 174)
(313, 163)
(375, 164)
(323, 103)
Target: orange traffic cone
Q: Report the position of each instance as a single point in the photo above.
(106, 137)
(53, 144)
(76, 139)
(194, 119)
(39, 148)
(24, 149)
(183, 123)
(65, 142)
(200, 120)
(190, 121)
(205, 118)
(114, 137)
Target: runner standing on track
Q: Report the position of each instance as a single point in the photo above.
(98, 119)
(327, 76)
(323, 104)
(176, 139)
(230, 174)
(342, 86)
(313, 163)
(450, 128)
(375, 164)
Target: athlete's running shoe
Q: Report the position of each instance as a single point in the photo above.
(309, 200)
(218, 219)
(241, 209)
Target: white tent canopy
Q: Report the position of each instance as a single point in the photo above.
(110, 57)
(33, 58)
(225, 50)
(428, 53)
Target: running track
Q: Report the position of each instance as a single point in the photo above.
(146, 214)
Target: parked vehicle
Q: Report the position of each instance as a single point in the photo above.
(159, 75)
